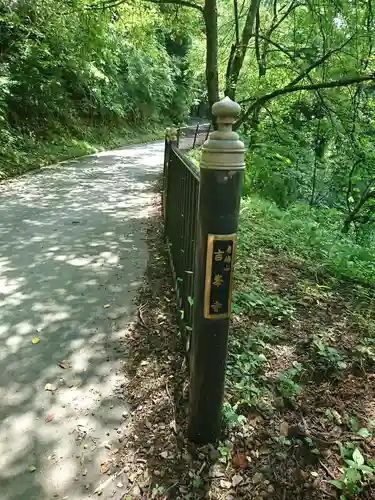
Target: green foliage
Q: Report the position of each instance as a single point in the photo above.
(363, 432)
(271, 169)
(157, 491)
(195, 482)
(287, 384)
(224, 451)
(364, 353)
(29, 154)
(327, 358)
(67, 70)
(246, 361)
(231, 417)
(257, 299)
(355, 471)
(309, 134)
(313, 237)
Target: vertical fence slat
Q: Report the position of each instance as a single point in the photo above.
(180, 199)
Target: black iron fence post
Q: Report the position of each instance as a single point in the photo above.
(221, 181)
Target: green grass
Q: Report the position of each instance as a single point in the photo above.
(302, 346)
(304, 236)
(22, 154)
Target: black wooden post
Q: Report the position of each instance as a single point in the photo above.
(221, 181)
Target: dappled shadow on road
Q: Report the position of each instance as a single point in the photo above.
(72, 255)
(159, 461)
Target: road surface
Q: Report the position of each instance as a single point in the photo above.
(72, 257)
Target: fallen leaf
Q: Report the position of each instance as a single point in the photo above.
(64, 364)
(217, 471)
(104, 467)
(284, 429)
(258, 478)
(35, 340)
(50, 387)
(164, 454)
(304, 475)
(236, 480)
(106, 306)
(336, 415)
(240, 461)
(136, 492)
(173, 426)
(31, 468)
(225, 484)
(49, 417)
(133, 476)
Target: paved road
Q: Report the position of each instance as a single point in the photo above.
(72, 242)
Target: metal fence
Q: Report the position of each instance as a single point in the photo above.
(180, 205)
(192, 136)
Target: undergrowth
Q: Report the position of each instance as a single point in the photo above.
(306, 236)
(304, 318)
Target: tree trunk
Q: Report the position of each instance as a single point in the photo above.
(212, 74)
(352, 217)
(235, 63)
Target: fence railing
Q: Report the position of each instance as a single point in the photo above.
(201, 208)
(192, 136)
(180, 204)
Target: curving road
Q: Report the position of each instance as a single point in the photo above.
(72, 256)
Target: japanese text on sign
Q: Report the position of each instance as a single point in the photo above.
(219, 276)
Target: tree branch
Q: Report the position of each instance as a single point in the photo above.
(236, 24)
(275, 44)
(104, 5)
(318, 62)
(257, 49)
(275, 24)
(235, 63)
(111, 4)
(343, 82)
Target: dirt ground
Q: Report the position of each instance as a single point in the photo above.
(291, 452)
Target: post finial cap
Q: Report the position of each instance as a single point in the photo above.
(223, 150)
(226, 108)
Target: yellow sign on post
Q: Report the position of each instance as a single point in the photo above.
(219, 275)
